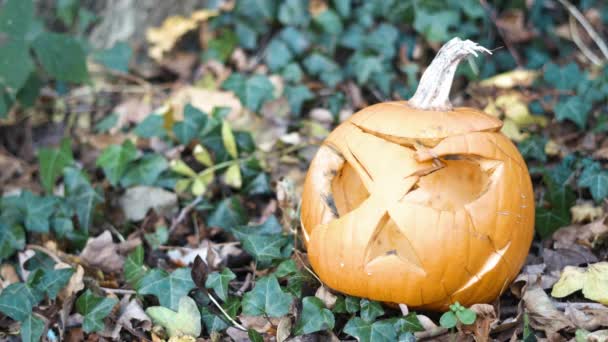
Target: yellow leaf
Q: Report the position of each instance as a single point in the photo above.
(228, 139)
(202, 155)
(233, 177)
(571, 280)
(510, 129)
(593, 281)
(511, 79)
(596, 285)
(515, 108)
(552, 148)
(201, 182)
(586, 212)
(182, 168)
(182, 185)
(163, 38)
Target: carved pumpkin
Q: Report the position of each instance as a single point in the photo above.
(417, 202)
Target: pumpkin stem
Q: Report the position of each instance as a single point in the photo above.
(433, 92)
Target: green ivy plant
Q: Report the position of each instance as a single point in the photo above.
(457, 314)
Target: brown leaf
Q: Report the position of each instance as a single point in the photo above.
(137, 200)
(588, 319)
(259, 323)
(9, 275)
(486, 319)
(512, 24)
(328, 298)
(284, 329)
(587, 235)
(184, 256)
(543, 314)
(75, 284)
(130, 310)
(205, 100)
(557, 259)
(102, 252)
(199, 272)
(586, 212)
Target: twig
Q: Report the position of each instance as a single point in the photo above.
(245, 285)
(118, 291)
(45, 251)
(579, 43)
(235, 323)
(507, 42)
(431, 333)
(297, 254)
(182, 214)
(587, 26)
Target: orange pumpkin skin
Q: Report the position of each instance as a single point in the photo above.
(418, 207)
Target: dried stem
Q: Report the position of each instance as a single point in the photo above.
(433, 92)
(235, 323)
(579, 42)
(587, 26)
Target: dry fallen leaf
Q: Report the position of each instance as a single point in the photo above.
(328, 298)
(185, 256)
(137, 200)
(592, 280)
(205, 100)
(259, 323)
(75, 284)
(9, 275)
(586, 212)
(163, 38)
(543, 314)
(587, 318)
(486, 319)
(511, 79)
(284, 328)
(588, 235)
(102, 252)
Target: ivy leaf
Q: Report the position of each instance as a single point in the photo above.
(534, 148)
(379, 331)
(38, 211)
(115, 159)
(596, 179)
(352, 304)
(575, 109)
(134, 268)
(145, 171)
(115, 58)
(370, 310)
(17, 300)
(168, 288)
(218, 281)
(81, 196)
(232, 306)
(32, 328)
(212, 321)
(94, 309)
(53, 281)
(296, 96)
(562, 78)
(286, 268)
(409, 323)
(189, 128)
(315, 317)
(252, 91)
(264, 248)
(12, 239)
(425, 22)
(266, 298)
(61, 56)
(329, 21)
(228, 214)
(151, 126)
(52, 162)
(186, 321)
(277, 55)
(294, 13)
(16, 64)
(22, 9)
(254, 336)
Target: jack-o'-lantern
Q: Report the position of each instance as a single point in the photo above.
(419, 203)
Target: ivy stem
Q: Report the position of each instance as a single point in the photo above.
(235, 323)
(433, 92)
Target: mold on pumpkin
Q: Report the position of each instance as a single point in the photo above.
(419, 203)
